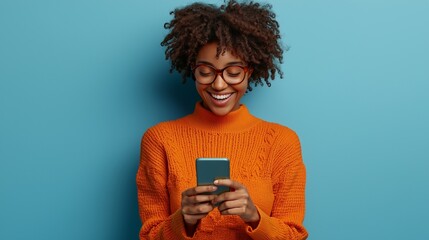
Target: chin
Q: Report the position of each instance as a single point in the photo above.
(221, 111)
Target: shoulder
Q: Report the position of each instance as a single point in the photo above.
(282, 139)
(280, 131)
(285, 145)
(165, 128)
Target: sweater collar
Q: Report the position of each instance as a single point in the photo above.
(235, 121)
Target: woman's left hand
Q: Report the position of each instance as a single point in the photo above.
(236, 202)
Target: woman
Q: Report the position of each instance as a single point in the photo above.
(224, 49)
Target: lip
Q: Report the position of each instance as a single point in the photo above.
(221, 99)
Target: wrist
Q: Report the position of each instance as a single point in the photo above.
(190, 228)
(253, 225)
(254, 220)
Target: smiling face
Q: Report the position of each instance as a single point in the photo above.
(220, 97)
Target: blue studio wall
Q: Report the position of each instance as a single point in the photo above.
(80, 81)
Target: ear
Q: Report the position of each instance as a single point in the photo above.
(249, 73)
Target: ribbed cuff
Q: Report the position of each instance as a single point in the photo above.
(178, 226)
(262, 231)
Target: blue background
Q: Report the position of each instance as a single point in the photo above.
(80, 81)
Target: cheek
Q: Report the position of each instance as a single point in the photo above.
(243, 87)
(199, 88)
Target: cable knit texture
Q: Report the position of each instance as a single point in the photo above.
(265, 157)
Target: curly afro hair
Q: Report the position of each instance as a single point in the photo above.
(248, 30)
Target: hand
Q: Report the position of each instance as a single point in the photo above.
(196, 205)
(236, 202)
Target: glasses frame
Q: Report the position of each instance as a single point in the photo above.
(220, 72)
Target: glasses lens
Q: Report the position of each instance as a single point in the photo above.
(204, 74)
(233, 74)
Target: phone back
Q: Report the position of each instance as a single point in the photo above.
(210, 169)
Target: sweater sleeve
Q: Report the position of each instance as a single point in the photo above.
(158, 222)
(286, 219)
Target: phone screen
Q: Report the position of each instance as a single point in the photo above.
(210, 169)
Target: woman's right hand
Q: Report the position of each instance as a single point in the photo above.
(196, 205)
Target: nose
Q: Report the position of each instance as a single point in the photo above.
(219, 84)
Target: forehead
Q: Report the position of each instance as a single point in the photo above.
(208, 54)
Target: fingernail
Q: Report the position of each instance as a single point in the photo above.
(214, 188)
(216, 181)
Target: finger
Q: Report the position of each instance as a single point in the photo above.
(229, 183)
(231, 196)
(203, 208)
(247, 212)
(233, 204)
(205, 189)
(234, 211)
(197, 199)
(198, 190)
(193, 219)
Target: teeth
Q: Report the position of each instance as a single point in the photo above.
(221, 97)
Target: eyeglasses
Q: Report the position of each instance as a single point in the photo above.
(205, 74)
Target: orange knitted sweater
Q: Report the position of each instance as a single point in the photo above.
(265, 157)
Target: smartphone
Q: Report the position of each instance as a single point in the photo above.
(211, 169)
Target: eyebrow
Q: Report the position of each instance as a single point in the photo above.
(228, 64)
